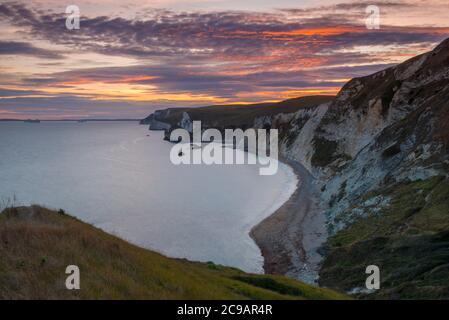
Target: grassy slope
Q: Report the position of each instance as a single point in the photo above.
(242, 116)
(409, 241)
(37, 244)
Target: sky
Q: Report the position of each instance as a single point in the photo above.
(130, 57)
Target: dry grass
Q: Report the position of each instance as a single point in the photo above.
(36, 245)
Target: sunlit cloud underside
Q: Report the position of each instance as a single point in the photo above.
(130, 58)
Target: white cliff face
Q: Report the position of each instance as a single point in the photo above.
(158, 125)
(408, 70)
(186, 123)
(296, 139)
(382, 129)
(354, 129)
(155, 120)
(306, 123)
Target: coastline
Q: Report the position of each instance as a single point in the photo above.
(290, 237)
(290, 234)
(291, 185)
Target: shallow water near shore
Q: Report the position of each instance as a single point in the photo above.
(115, 176)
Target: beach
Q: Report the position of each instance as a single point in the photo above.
(290, 238)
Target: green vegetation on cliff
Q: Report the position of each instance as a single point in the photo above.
(408, 240)
(242, 116)
(37, 244)
(324, 152)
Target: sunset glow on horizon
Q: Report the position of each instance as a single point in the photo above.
(132, 58)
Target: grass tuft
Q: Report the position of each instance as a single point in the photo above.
(37, 244)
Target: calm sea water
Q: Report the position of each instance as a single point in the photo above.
(116, 177)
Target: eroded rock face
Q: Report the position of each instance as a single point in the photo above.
(393, 134)
(297, 132)
(156, 121)
(381, 129)
(186, 122)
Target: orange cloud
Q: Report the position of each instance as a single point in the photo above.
(324, 31)
(126, 79)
